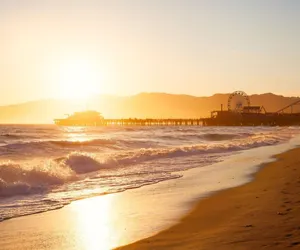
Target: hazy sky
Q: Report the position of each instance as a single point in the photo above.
(52, 48)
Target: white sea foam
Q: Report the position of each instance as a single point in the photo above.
(66, 164)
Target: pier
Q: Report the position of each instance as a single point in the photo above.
(239, 113)
(153, 122)
(133, 122)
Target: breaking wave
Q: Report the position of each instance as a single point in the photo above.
(43, 147)
(21, 179)
(44, 167)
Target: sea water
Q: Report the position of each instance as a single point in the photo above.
(45, 167)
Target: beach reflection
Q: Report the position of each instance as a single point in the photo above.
(96, 223)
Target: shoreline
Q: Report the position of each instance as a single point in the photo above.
(124, 218)
(264, 213)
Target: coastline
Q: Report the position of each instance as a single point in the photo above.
(120, 219)
(264, 213)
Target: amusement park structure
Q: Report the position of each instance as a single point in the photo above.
(239, 113)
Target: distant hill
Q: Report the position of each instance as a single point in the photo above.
(154, 105)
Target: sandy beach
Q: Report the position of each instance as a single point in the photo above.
(263, 214)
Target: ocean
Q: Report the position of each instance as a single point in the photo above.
(45, 167)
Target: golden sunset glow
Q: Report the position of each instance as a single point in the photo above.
(61, 49)
(149, 124)
(78, 79)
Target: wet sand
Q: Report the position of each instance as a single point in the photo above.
(263, 214)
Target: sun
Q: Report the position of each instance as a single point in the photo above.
(78, 79)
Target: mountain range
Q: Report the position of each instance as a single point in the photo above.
(143, 105)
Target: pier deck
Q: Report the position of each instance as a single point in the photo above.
(248, 116)
(133, 122)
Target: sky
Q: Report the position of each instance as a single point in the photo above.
(72, 48)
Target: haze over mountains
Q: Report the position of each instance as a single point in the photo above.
(144, 105)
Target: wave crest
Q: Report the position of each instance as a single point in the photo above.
(82, 163)
(24, 179)
(16, 179)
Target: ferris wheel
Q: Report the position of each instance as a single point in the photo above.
(237, 101)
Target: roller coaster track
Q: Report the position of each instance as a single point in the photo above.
(289, 106)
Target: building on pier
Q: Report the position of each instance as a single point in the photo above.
(86, 118)
(239, 113)
(243, 114)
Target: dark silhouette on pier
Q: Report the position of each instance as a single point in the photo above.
(239, 113)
